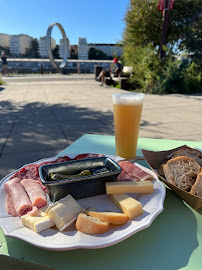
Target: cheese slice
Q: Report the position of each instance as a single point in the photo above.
(129, 187)
(64, 212)
(39, 221)
(131, 207)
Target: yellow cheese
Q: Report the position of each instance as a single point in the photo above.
(64, 212)
(129, 187)
(131, 207)
(39, 222)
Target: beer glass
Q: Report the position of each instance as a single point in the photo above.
(127, 109)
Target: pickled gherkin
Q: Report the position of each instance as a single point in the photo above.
(59, 176)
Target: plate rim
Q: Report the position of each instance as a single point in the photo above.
(81, 244)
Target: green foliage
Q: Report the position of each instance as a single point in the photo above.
(141, 43)
(176, 76)
(56, 52)
(33, 51)
(144, 25)
(6, 50)
(97, 54)
(1, 82)
(146, 66)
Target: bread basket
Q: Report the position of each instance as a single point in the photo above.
(155, 160)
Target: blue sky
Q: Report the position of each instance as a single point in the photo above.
(98, 21)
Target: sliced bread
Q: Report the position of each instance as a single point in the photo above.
(90, 225)
(182, 172)
(197, 187)
(110, 217)
(189, 152)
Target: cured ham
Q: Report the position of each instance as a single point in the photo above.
(132, 172)
(25, 190)
(35, 192)
(20, 199)
(10, 207)
(88, 155)
(32, 171)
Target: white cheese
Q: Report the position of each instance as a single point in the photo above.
(64, 212)
(39, 222)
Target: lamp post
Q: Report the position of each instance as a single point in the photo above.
(164, 34)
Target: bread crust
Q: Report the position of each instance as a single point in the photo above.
(197, 187)
(110, 217)
(90, 225)
(182, 172)
(189, 152)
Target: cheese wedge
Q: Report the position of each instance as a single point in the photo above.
(129, 187)
(39, 221)
(131, 207)
(64, 212)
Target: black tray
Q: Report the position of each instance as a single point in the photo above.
(81, 187)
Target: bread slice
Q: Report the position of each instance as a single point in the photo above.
(90, 225)
(110, 217)
(182, 172)
(189, 152)
(197, 187)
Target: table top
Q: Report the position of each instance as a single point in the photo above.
(173, 241)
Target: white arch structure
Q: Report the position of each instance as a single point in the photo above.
(48, 44)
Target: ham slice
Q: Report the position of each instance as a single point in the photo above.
(88, 155)
(10, 207)
(132, 172)
(20, 199)
(35, 192)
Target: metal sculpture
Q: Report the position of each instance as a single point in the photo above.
(49, 50)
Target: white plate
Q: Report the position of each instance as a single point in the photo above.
(54, 240)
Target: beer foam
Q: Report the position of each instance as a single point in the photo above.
(128, 98)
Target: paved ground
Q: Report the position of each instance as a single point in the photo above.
(42, 114)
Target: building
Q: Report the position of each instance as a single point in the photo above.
(19, 44)
(43, 47)
(62, 49)
(83, 49)
(4, 40)
(111, 50)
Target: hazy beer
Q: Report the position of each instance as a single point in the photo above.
(127, 109)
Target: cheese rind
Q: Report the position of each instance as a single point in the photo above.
(39, 222)
(64, 212)
(129, 187)
(131, 207)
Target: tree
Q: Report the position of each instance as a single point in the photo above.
(144, 25)
(5, 49)
(56, 52)
(35, 48)
(97, 54)
(33, 52)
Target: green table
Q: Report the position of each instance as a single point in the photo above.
(173, 241)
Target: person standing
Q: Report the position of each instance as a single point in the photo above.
(4, 63)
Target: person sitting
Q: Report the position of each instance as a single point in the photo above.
(108, 73)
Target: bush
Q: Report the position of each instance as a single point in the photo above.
(1, 82)
(178, 76)
(151, 75)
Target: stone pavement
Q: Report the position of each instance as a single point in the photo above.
(40, 115)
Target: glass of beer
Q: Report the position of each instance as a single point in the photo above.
(127, 108)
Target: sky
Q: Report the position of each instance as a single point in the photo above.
(97, 21)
